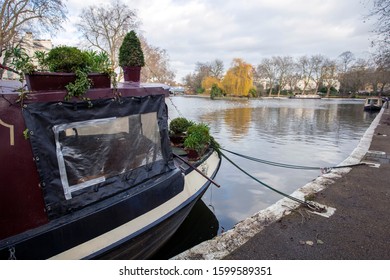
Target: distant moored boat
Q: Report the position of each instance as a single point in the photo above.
(373, 103)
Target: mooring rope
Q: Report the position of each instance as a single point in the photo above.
(291, 166)
(175, 107)
(308, 204)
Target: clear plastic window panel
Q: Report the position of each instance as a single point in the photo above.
(89, 152)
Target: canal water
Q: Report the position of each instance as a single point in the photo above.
(312, 132)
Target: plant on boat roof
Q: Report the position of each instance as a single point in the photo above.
(22, 62)
(79, 86)
(62, 59)
(130, 51)
(198, 138)
(71, 59)
(179, 125)
(99, 62)
(66, 59)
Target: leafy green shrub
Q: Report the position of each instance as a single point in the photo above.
(215, 91)
(130, 52)
(200, 90)
(21, 62)
(98, 62)
(253, 92)
(41, 57)
(179, 125)
(198, 137)
(66, 59)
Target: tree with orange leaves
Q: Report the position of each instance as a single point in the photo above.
(238, 80)
(209, 81)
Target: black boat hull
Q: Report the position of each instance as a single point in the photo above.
(149, 242)
(80, 238)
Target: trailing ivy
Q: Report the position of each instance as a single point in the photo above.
(79, 86)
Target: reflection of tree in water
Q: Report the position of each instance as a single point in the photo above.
(238, 120)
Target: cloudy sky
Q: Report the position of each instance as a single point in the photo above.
(201, 31)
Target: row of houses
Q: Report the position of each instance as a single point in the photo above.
(309, 85)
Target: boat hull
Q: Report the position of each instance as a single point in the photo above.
(372, 108)
(69, 232)
(149, 242)
(115, 232)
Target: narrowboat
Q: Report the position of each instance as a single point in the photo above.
(373, 104)
(92, 178)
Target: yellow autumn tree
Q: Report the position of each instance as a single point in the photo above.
(208, 82)
(239, 78)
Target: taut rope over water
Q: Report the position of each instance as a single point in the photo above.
(290, 166)
(308, 204)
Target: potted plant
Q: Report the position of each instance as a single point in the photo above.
(131, 57)
(197, 141)
(177, 130)
(62, 66)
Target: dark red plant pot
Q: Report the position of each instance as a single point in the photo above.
(41, 81)
(177, 139)
(132, 74)
(192, 154)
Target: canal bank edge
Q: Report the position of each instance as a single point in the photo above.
(222, 245)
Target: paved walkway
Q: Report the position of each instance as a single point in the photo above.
(358, 229)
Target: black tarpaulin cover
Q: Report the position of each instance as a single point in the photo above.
(87, 153)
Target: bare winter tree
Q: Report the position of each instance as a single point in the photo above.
(284, 66)
(267, 71)
(355, 78)
(217, 69)
(346, 58)
(194, 80)
(380, 11)
(293, 78)
(104, 26)
(28, 15)
(345, 62)
(305, 70)
(157, 67)
(330, 75)
(318, 71)
(377, 75)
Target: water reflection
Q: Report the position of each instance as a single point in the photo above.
(302, 132)
(238, 121)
